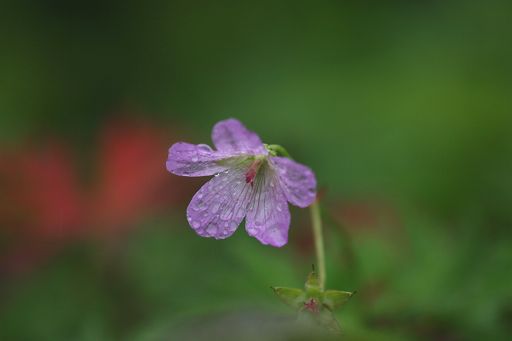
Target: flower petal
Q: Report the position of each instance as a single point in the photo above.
(232, 136)
(268, 217)
(187, 159)
(298, 181)
(220, 205)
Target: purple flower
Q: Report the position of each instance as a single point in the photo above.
(249, 182)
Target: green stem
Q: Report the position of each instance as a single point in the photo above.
(316, 222)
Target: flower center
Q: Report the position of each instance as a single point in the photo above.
(251, 173)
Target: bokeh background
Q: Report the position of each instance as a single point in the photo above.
(402, 108)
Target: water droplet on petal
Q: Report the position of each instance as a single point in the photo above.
(225, 215)
(196, 224)
(215, 207)
(200, 206)
(260, 220)
(194, 159)
(275, 235)
(204, 148)
(212, 230)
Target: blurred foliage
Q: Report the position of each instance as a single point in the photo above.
(402, 108)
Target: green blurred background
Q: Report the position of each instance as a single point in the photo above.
(402, 108)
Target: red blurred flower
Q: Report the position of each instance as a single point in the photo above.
(132, 179)
(39, 195)
(43, 203)
(40, 203)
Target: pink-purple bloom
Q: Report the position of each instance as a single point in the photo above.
(249, 182)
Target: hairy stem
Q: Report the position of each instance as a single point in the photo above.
(316, 222)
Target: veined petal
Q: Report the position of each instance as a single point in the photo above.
(268, 217)
(187, 159)
(220, 205)
(298, 181)
(233, 137)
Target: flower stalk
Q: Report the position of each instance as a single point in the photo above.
(316, 223)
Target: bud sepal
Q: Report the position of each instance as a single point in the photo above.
(314, 305)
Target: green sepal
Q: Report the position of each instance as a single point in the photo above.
(334, 299)
(327, 319)
(277, 150)
(314, 305)
(291, 296)
(312, 282)
(324, 319)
